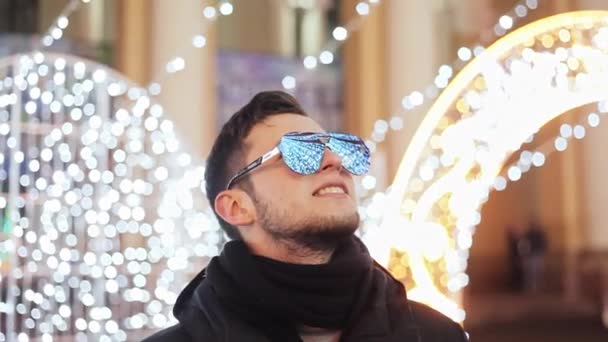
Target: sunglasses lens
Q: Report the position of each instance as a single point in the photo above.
(301, 156)
(353, 151)
(303, 153)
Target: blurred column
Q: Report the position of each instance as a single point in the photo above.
(312, 28)
(422, 35)
(364, 71)
(153, 32)
(188, 96)
(263, 26)
(132, 57)
(133, 42)
(411, 62)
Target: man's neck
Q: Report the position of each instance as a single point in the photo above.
(291, 252)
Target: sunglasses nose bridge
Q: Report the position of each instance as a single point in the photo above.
(330, 159)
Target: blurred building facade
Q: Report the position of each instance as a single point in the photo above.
(397, 50)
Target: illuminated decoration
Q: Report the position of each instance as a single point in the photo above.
(536, 158)
(103, 213)
(493, 106)
(101, 224)
(417, 98)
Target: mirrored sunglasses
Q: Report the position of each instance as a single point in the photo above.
(303, 153)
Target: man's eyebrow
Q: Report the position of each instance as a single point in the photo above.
(267, 124)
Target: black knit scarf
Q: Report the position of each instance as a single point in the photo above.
(275, 297)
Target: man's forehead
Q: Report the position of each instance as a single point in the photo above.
(267, 133)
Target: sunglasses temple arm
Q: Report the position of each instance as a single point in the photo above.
(253, 165)
(270, 154)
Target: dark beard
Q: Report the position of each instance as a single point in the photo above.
(314, 234)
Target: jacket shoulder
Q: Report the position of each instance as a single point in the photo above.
(435, 326)
(176, 333)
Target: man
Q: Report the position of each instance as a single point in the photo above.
(283, 191)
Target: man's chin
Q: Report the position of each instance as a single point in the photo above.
(321, 229)
(327, 234)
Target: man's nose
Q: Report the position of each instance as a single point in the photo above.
(330, 160)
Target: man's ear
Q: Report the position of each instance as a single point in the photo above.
(235, 207)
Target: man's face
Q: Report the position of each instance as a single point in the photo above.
(315, 210)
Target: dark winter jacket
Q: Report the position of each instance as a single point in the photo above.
(388, 317)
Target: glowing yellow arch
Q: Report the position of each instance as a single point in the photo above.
(486, 113)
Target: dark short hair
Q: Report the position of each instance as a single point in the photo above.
(227, 154)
